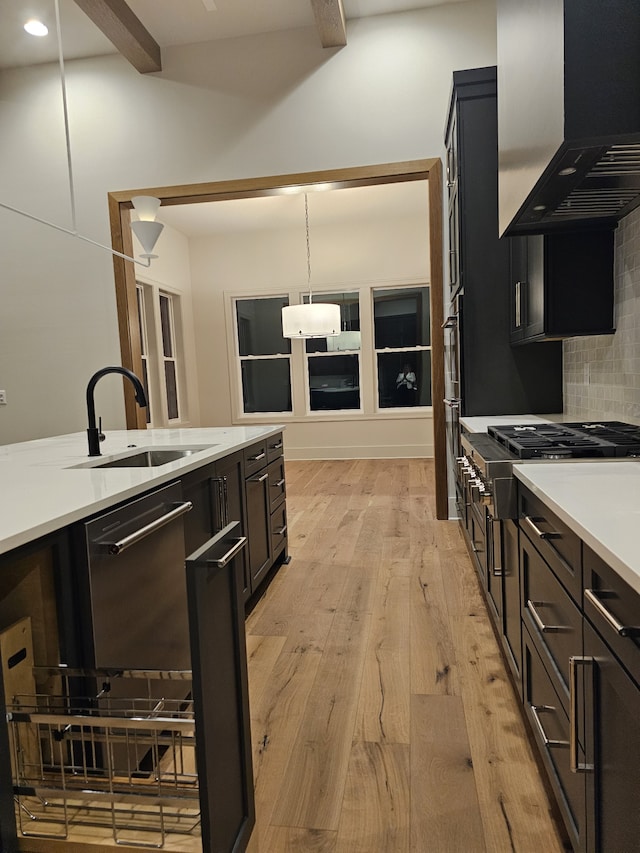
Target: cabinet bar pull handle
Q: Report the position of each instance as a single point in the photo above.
(574, 662)
(258, 479)
(453, 403)
(116, 548)
(540, 533)
(258, 457)
(275, 446)
(278, 485)
(518, 317)
(623, 630)
(237, 546)
(536, 710)
(545, 629)
(281, 532)
(497, 571)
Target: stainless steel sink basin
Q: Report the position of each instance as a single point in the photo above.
(147, 457)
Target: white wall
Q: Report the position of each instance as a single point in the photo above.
(268, 104)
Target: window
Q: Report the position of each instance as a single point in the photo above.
(264, 354)
(402, 341)
(159, 322)
(379, 362)
(333, 364)
(170, 368)
(144, 342)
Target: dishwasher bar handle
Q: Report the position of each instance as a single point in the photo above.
(179, 509)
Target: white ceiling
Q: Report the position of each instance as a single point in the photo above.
(359, 204)
(170, 22)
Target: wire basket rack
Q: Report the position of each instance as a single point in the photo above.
(106, 754)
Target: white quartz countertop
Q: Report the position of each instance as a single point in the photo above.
(600, 501)
(479, 423)
(42, 490)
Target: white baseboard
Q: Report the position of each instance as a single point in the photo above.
(391, 451)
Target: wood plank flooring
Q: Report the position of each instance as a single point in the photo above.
(382, 716)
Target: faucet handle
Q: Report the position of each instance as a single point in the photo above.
(101, 435)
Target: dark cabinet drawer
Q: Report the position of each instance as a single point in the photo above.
(553, 620)
(276, 483)
(559, 545)
(551, 726)
(275, 445)
(255, 458)
(278, 529)
(613, 608)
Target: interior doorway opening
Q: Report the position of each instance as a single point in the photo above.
(429, 170)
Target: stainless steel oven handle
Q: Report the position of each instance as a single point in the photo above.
(574, 662)
(237, 546)
(540, 533)
(115, 548)
(610, 619)
(545, 629)
(536, 710)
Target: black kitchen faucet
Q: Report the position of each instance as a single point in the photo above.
(94, 433)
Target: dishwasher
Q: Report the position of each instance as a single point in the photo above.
(136, 584)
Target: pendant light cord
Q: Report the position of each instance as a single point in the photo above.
(306, 224)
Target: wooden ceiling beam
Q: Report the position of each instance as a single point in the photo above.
(125, 30)
(330, 22)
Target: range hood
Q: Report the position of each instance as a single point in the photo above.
(568, 113)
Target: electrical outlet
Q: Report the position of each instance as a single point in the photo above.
(3, 398)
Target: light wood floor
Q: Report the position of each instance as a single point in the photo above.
(382, 716)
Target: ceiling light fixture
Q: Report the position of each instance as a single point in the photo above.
(146, 226)
(311, 319)
(36, 28)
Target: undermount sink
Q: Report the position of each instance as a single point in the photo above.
(147, 458)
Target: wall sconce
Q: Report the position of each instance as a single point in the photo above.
(145, 227)
(311, 320)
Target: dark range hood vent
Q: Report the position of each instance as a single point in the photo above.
(568, 114)
(610, 189)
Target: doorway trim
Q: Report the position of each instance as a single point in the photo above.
(359, 176)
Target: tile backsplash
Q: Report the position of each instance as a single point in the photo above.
(602, 372)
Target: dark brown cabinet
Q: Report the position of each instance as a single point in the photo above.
(486, 374)
(611, 665)
(217, 494)
(581, 678)
(265, 491)
(561, 285)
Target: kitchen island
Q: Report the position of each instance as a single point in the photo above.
(97, 607)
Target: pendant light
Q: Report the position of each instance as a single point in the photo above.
(312, 319)
(145, 227)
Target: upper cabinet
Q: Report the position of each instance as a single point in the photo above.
(561, 285)
(568, 113)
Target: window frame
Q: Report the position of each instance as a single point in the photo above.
(298, 357)
(236, 360)
(388, 350)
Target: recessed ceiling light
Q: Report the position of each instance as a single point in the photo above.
(36, 28)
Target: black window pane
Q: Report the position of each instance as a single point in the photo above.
(349, 337)
(172, 389)
(165, 319)
(140, 301)
(266, 385)
(334, 382)
(260, 327)
(404, 379)
(402, 317)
